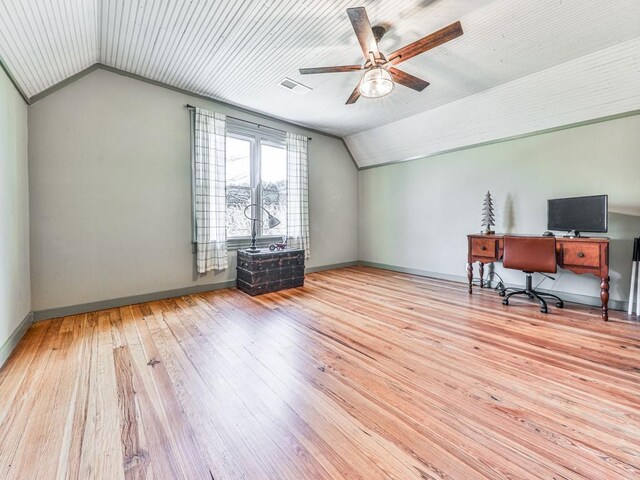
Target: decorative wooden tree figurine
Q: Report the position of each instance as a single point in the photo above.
(488, 220)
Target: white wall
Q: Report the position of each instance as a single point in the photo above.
(417, 214)
(15, 295)
(110, 193)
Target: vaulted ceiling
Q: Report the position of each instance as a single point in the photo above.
(239, 51)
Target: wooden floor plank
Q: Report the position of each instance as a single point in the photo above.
(373, 420)
(332, 419)
(488, 417)
(213, 421)
(17, 423)
(361, 374)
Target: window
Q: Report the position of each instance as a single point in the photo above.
(234, 166)
(273, 184)
(256, 173)
(238, 186)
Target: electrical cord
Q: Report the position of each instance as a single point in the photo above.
(545, 277)
(487, 282)
(500, 284)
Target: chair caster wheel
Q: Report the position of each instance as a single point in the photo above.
(543, 310)
(560, 305)
(505, 302)
(502, 294)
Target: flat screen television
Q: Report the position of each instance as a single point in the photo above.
(580, 214)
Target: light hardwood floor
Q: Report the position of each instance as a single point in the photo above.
(361, 374)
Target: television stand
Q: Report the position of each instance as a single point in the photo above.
(575, 234)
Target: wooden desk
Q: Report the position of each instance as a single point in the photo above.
(579, 255)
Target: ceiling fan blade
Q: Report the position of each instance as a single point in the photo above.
(408, 80)
(343, 68)
(362, 27)
(355, 95)
(426, 43)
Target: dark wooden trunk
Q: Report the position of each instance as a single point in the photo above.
(267, 271)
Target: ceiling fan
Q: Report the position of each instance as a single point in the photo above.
(381, 73)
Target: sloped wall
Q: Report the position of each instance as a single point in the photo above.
(416, 215)
(598, 85)
(15, 295)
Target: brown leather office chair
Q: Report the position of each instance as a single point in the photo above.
(530, 254)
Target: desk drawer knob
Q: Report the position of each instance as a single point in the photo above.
(580, 254)
(483, 247)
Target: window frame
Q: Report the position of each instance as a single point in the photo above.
(258, 136)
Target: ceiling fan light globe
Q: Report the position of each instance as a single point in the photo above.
(376, 83)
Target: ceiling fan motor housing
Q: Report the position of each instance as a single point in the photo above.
(378, 32)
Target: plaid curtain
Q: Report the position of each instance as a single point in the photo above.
(297, 193)
(210, 183)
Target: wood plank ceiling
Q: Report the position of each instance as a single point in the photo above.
(238, 52)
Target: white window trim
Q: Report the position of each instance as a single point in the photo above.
(257, 136)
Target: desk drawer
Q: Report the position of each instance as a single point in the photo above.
(484, 247)
(580, 254)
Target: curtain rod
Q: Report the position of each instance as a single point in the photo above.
(259, 125)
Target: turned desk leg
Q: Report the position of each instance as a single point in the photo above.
(481, 266)
(470, 276)
(604, 296)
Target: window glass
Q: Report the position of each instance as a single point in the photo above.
(238, 186)
(274, 186)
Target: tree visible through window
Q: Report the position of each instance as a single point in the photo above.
(256, 173)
